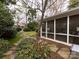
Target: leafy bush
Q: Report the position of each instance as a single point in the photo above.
(9, 33)
(2, 1)
(73, 4)
(18, 29)
(29, 49)
(32, 26)
(26, 29)
(4, 46)
(6, 22)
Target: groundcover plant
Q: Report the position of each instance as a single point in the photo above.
(4, 47)
(30, 49)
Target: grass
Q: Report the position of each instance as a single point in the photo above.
(20, 35)
(15, 39)
(30, 34)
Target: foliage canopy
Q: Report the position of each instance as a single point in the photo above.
(6, 21)
(73, 3)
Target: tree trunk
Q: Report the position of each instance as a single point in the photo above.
(42, 17)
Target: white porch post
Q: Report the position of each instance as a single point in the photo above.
(54, 29)
(46, 29)
(41, 32)
(67, 29)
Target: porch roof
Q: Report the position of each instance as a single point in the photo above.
(71, 12)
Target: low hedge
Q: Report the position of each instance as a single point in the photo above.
(9, 33)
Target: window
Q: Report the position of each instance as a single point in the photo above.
(74, 40)
(50, 29)
(61, 25)
(43, 34)
(61, 38)
(43, 27)
(61, 29)
(74, 24)
(50, 26)
(74, 29)
(51, 36)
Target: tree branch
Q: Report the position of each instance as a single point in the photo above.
(32, 3)
(51, 5)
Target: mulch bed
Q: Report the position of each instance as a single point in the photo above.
(55, 55)
(58, 44)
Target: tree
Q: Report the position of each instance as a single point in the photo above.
(56, 8)
(31, 14)
(73, 3)
(6, 22)
(42, 6)
(29, 11)
(2, 1)
(8, 1)
(31, 26)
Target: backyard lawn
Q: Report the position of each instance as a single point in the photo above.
(27, 46)
(29, 34)
(21, 35)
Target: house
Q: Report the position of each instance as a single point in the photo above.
(62, 28)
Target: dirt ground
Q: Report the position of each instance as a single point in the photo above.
(59, 51)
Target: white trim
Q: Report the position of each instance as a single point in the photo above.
(67, 29)
(57, 41)
(54, 29)
(50, 33)
(61, 34)
(73, 35)
(41, 31)
(46, 29)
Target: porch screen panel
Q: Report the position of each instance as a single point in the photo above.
(61, 38)
(74, 40)
(61, 25)
(51, 36)
(43, 34)
(43, 29)
(74, 29)
(61, 29)
(50, 29)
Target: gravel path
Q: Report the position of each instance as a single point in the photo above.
(12, 52)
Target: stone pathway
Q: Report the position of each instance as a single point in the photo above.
(12, 52)
(60, 49)
(63, 52)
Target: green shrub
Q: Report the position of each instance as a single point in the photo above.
(6, 22)
(29, 49)
(18, 29)
(9, 33)
(4, 47)
(32, 26)
(26, 29)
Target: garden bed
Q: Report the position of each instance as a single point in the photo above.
(45, 49)
(40, 49)
(59, 51)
